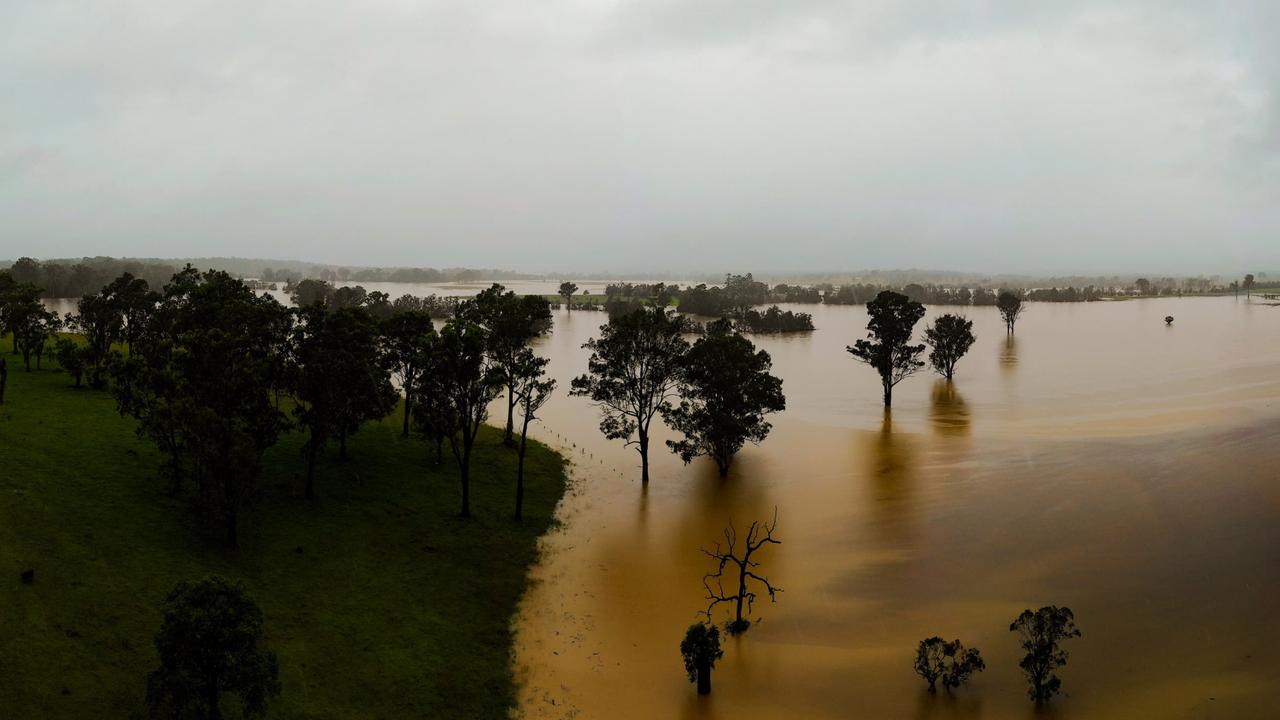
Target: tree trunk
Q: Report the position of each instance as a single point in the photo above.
(704, 677)
(508, 437)
(644, 457)
(888, 395)
(404, 432)
(520, 472)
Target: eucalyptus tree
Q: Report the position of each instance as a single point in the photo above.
(950, 663)
(741, 593)
(726, 391)
(134, 300)
(532, 389)
(700, 650)
(566, 291)
(510, 322)
(340, 382)
(408, 337)
(1010, 306)
(467, 381)
(32, 324)
(99, 321)
(887, 347)
(1042, 633)
(951, 336)
(633, 373)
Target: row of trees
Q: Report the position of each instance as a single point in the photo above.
(214, 373)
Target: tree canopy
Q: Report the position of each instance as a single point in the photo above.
(950, 336)
(887, 347)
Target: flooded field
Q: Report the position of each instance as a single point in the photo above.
(1100, 460)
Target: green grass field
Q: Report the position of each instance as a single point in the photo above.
(379, 601)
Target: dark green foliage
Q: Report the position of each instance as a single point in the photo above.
(775, 320)
(947, 662)
(887, 348)
(632, 374)
(950, 337)
(1042, 633)
(510, 323)
(71, 356)
(133, 299)
(340, 379)
(700, 650)
(202, 386)
(532, 390)
(210, 645)
(1010, 306)
(32, 324)
(726, 390)
(464, 382)
(566, 291)
(100, 323)
(408, 337)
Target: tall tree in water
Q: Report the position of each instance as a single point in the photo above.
(700, 649)
(888, 347)
(467, 382)
(1010, 306)
(1042, 633)
(201, 387)
(533, 390)
(726, 391)
(340, 381)
(1248, 285)
(566, 291)
(746, 570)
(210, 645)
(633, 373)
(950, 336)
(408, 337)
(510, 322)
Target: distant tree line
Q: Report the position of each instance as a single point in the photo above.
(74, 279)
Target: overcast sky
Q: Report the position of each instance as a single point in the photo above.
(793, 135)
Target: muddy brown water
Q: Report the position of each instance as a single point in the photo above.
(1099, 460)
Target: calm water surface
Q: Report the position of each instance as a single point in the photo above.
(1101, 461)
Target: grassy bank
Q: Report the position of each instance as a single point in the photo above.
(379, 601)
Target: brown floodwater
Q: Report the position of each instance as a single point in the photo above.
(1100, 460)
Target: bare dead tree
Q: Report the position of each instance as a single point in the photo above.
(758, 535)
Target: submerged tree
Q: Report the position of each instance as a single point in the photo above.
(758, 535)
(727, 390)
(532, 389)
(700, 649)
(632, 374)
(566, 291)
(210, 645)
(1010, 307)
(510, 322)
(951, 336)
(947, 662)
(1042, 633)
(892, 317)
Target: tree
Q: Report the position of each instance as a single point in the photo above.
(467, 382)
(887, 348)
(70, 355)
(727, 390)
(510, 322)
(1248, 285)
(758, 535)
(1010, 307)
(408, 337)
(951, 336)
(341, 381)
(1168, 319)
(1143, 286)
(700, 649)
(532, 390)
(210, 644)
(201, 386)
(18, 301)
(133, 299)
(566, 291)
(1042, 632)
(99, 321)
(632, 374)
(32, 324)
(949, 662)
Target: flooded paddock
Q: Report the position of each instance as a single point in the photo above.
(1099, 460)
